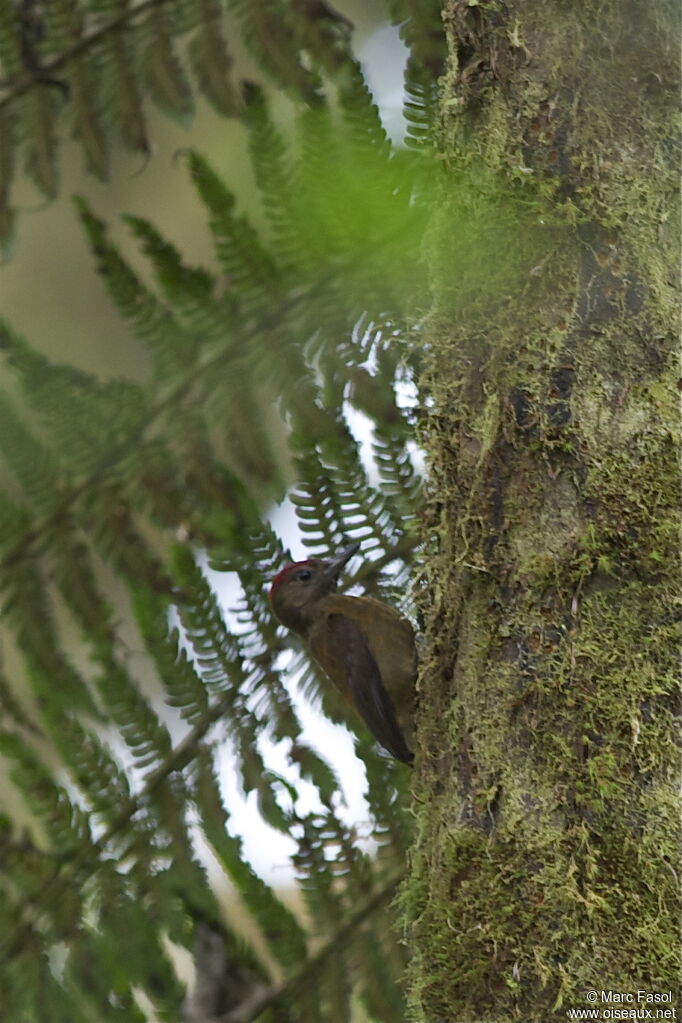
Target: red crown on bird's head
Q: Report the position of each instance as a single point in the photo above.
(328, 570)
(285, 572)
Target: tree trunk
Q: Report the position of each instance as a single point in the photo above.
(548, 833)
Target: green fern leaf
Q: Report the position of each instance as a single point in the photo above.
(211, 62)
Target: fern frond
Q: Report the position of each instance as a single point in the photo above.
(88, 116)
(10, 39)
(323, 32)
(73, 571)
(361, 120)
(93, 768)
(127, 944)
(114, 529)
(254, 368)
(398, 475)
(211, 62)
(32, 992)
(99, 987)
(145, 735)
(54, 679)
(217, 651)
(224, 668)
(386, 799)
(164, 74)
(82, 414)
(189, 291)
(168, 343)
(275, 176)
(183, 685)
(250, 270)
(266, 30)
(420, 105)
(379, 991)
(35, 467)
(285, 936)
(123, 92)
(12, 709)
(7, 147)
(303, 988)
(38, 114)
(316, 876)
(66, 826)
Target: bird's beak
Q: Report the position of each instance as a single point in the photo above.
(332, 568)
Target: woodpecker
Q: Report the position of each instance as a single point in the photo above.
(366, 648)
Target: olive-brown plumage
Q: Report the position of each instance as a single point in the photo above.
(365, 647)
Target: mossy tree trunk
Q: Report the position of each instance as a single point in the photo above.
(546, 783)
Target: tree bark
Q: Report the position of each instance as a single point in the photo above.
(546, 779)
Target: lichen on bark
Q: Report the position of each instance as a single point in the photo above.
(546, 782)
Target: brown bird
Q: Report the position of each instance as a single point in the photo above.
(365, 647)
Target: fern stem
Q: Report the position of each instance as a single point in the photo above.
(54, 886)
(82, 46)
(313, 964)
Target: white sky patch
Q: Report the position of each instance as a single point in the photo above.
(383, 56)
(268, 850)
(406, 394)
(361, 427)
(282, 518)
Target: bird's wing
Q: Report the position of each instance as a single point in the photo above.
(365, 685)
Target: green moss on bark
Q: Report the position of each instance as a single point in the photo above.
(546, 782)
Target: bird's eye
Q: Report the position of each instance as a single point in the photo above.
(304, 575)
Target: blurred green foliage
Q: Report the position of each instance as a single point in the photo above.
(123, 679)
